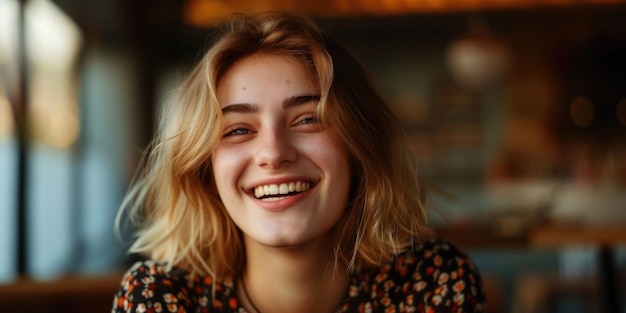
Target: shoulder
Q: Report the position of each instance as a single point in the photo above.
(437, 256)
(430, 276)
(443, 275)
(149, 286)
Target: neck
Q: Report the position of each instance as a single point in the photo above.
(302, 279)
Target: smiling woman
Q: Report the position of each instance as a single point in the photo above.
(279, 143)
(280, 182)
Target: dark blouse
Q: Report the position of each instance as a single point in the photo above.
(434, 276)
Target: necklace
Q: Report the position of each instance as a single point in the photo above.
(248, 299)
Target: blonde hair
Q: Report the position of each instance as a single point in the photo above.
(174, 201)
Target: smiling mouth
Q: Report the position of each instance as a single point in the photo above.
(280, 191)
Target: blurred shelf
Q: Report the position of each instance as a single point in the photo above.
(481, 236)
(68, 294)
(485, 235)
(560, 235)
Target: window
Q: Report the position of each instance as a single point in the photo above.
(77, 146)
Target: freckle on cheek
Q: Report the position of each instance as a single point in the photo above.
(244, 88)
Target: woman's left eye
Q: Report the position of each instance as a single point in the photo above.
(307, 120)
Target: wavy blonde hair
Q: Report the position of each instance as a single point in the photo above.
(173, 200)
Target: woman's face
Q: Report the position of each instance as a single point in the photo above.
(282, 179)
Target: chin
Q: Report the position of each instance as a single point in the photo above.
(290, 241)
(281, 242)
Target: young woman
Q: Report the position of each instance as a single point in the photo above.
(280, 182)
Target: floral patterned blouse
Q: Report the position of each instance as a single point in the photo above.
(433, 277)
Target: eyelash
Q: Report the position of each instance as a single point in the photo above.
(238, 131)
(308, 119)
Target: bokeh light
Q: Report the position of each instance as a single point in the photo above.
(582, 111)
(7, 123)
(53, 112)
(621, 110)
(60, 127)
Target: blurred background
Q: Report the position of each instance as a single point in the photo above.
(517, 110)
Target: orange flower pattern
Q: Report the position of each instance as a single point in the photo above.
(432, 277)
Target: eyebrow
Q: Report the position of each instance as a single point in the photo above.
(254, 108)
(240, 108)
(299, 100)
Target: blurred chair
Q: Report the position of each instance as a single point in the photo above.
(548, 293)
(68, 295)
(493, 292)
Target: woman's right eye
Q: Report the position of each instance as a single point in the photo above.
(236, 131)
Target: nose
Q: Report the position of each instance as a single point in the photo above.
(275, 148)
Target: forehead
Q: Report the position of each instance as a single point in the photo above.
(265, 72)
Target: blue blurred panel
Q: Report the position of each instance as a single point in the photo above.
(50, 208)
(8, 209)
(103, 186)
(109, 152)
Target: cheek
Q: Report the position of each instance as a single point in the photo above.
(335, 150)
(331, 156)
(227, 165)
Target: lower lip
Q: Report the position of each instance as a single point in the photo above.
(282, 204)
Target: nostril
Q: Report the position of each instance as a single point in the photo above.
(275, 156)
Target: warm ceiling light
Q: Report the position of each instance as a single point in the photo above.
(206, 13)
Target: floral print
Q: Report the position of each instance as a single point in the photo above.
(432, 277)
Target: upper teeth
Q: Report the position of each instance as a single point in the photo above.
(282, 189)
